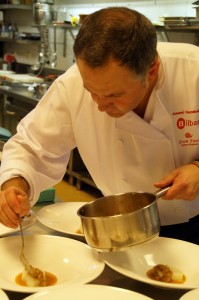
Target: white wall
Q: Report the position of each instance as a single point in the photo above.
(153, 9)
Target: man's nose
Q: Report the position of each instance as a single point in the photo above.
(99, 99)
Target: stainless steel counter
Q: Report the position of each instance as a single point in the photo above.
(20, 93)
(108, 276)
(15, 103)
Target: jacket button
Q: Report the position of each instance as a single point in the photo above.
(120, 142)
(124, 181)
(178, 211)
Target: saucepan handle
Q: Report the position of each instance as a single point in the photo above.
(162, 192)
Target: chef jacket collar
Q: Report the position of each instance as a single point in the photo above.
(159, 121)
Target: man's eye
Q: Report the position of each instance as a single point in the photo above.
(114, 96)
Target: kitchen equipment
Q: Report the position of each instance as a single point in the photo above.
(44, 53)
(35, 273)
(115, 222)
(54, 57)
(43, 12)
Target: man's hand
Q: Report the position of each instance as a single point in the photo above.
(14, 201)
(184, 183)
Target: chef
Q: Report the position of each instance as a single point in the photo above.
(131, 107)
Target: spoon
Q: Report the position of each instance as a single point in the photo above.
(35, 273)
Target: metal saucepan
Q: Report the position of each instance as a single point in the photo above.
(115, 222)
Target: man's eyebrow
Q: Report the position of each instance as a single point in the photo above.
(110, 95)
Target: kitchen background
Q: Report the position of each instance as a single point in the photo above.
(22, 21)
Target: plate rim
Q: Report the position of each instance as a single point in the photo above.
(13, 231)
(85, 286)
(3, 294)
(53, 227)
(191, 292)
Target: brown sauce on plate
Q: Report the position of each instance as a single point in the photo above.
(51, 279)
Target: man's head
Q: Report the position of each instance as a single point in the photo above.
(116, 55)
(118, 33)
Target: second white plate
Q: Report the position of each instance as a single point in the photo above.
(62, 217)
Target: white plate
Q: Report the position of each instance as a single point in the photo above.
(26, 222)
(3, 295)
(191, 295)
(136, 261)
(88, 292)
(62, 217)
(69, 260)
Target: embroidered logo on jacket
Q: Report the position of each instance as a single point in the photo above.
(187, 122)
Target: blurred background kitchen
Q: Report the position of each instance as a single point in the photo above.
(36, 41)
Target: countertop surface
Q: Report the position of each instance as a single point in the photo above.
(20, 93)
(108, 276)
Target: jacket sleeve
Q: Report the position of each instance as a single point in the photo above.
(40, 149)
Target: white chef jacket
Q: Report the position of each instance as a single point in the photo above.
(121, 154)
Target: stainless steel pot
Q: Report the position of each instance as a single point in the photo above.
(115, 222)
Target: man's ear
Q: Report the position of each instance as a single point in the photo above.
(153, 70)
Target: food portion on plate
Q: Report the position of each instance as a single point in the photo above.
(25, 279)
(165, 273)
(63, 218)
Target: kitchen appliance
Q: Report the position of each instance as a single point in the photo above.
(43, 14)
(43, 11)
(115, 222)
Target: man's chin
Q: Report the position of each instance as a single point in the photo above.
(114, 114)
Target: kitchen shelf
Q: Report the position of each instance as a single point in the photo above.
(15, 6)
(186, 29)
(64, 27)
